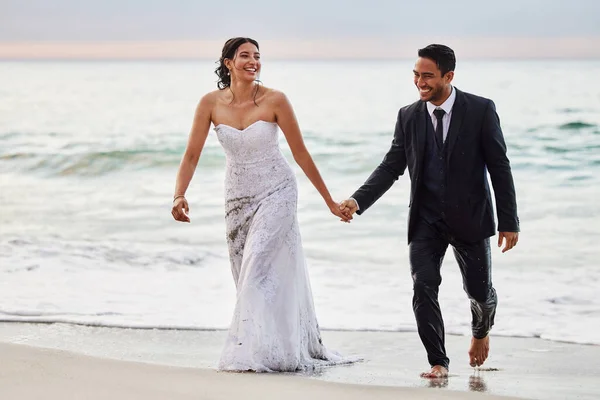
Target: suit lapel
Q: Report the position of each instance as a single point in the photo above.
(458, 114)
(420, 132)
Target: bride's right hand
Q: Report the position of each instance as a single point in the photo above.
(180, 210)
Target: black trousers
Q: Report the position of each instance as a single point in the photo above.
(427, 250)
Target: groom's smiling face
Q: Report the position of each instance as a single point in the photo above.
(432, 85)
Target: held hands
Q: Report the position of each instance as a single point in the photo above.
(510, 240)
(180, 209)
(348, 208)
(335, 210)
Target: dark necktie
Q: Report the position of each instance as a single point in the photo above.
(439, 128)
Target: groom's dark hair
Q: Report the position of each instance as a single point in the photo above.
(442, 56)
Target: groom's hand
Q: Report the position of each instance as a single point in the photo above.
(348, 208)
(510, 240)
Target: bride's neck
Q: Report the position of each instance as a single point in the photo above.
(243, 91)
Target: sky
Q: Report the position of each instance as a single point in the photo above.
(297, 29)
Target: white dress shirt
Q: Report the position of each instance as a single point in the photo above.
(447, 107)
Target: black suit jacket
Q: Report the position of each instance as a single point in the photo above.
(475, 143)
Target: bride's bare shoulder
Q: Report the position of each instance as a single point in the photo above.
(209, 100)
(274, 96)
(213, 96)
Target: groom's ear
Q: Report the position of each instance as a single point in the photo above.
(449, 76)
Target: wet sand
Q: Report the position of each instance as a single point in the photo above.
(135, 363)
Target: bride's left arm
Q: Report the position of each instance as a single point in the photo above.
(286, 119)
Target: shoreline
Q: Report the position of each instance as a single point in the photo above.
(192, 329)
(518, 368)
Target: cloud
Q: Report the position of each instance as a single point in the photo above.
(42, 20)
(301, 29)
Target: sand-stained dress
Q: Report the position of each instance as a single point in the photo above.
(274, 327)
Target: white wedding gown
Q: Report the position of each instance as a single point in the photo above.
(274, 327)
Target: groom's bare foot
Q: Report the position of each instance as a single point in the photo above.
(479, 351)
(437, 371)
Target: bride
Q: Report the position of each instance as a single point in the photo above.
(274, 327)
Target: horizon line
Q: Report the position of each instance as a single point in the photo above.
(308, 49)
(286, 59)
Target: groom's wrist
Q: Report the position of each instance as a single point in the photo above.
(355, 202)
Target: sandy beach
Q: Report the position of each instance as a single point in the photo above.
(63, 361)
(34, 373)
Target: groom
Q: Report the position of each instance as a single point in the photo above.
(448, 139)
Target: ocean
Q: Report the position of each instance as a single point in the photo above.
(89, 153)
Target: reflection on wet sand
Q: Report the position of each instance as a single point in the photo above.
(477, 383)
(438, 382)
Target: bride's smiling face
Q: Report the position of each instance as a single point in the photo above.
(245, 65)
